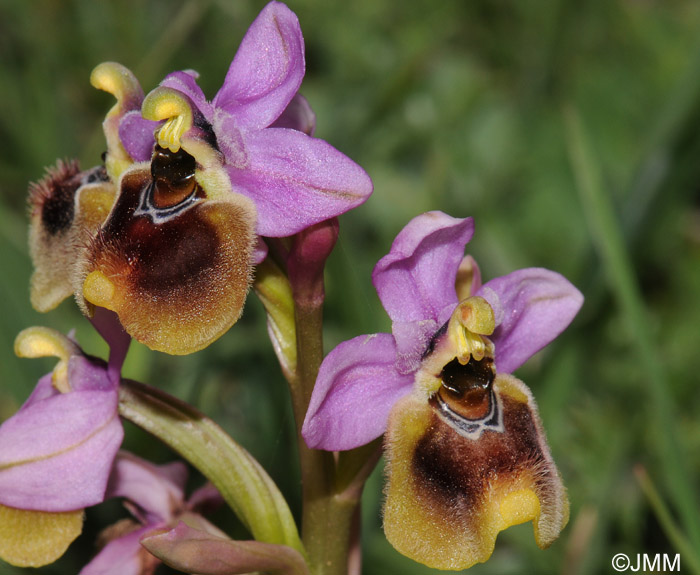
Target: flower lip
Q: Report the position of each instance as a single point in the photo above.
(173, 257)
(450, 494)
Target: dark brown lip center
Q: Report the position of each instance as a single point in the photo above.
(466, 389)
(173, 177)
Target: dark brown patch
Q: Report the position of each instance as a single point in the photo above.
(466, 389)
(454, 471)
(173, 177)
(157, 258)
(54, 195)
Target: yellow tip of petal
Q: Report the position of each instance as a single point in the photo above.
(36, 538)
(167, 104)
(470, 322)
(99, 290)
(46, 342)
(117, 80)
(519, 507)
(476, 315)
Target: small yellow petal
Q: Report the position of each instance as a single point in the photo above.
(46, 342)
(36, 538)
(476, 315)
(472, 319)
(123, 85)
(115, 79)
(99, 290)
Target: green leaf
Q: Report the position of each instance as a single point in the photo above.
(273, 289)
(240, 479)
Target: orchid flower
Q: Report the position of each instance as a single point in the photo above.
(56, 452)
(155, 495)
(167, 232)
(466, 452)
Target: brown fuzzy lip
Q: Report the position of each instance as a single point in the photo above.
(179, 250)
(459, 470)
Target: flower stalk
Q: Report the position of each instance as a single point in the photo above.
(326, 517)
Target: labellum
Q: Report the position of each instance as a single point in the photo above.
(173, 258)
(470, 461)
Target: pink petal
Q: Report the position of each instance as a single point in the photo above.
(136, 135)
(266, 71)
(298, 115)
(356, 388)
(532, 307)
(296, 181)
(412, 339)
(156, 489)
(123, 556)
(56, 454)
(416, 279)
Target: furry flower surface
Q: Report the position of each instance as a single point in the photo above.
(466, 452)
(167, 232)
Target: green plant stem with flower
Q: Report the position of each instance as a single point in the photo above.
(327, 508)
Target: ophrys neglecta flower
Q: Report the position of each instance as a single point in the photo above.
(466, 453)
(167, 232)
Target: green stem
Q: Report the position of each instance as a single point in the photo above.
(606, 232)
(326, 517)
(331, 483)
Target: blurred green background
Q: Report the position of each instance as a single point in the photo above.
(569, 130)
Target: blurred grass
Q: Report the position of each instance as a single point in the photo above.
(454, 106)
